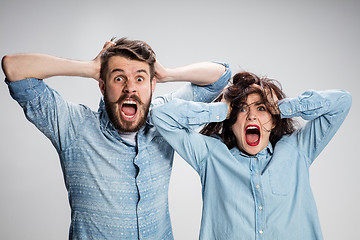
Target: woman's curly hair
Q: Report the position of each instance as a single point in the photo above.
(236, 94)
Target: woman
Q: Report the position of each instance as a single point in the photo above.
(254, 165)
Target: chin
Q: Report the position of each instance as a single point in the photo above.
(252, 153)
(252, 150)
(132, 127)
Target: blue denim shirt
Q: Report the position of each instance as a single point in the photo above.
(266, 196)
(116, 190)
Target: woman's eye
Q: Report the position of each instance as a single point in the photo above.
(242, 110)
(261, 108)
(140, 79)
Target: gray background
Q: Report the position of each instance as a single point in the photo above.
(304, 44)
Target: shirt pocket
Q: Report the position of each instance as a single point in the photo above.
(280, 178)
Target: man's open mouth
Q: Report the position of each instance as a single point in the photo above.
(129, 109)
(252, 135)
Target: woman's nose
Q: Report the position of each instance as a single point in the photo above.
(251, 115)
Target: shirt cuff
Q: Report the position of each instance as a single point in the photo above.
(214, 112)
(26, 89)
(295, 107)
(218, 111)
(209, 92)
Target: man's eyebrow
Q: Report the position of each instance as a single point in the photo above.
(122, 71)
(142, 70)
(117, 70)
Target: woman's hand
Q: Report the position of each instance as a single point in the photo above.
(227, 102)
(271, 98)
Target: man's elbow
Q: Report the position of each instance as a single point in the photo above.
(8, 64)
(5, 63)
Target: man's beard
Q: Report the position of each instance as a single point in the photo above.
(113, 111)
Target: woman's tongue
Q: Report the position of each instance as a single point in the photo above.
(252, 138)
(129, 109)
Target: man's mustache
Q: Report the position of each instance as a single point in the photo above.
(128, 96)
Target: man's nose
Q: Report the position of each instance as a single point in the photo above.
(129, 87)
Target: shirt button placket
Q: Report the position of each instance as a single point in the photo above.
(260, 218)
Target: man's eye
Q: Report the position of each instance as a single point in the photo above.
(242, 110)
(118, 79)
(140, 79)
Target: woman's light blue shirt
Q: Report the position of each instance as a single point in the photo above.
(266, 196)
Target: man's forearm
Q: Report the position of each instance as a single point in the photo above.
(203, 73)
(21, 66)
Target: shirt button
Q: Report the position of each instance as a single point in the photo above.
(261, 232)
(217, 117)
(260, 208)
(257, 186)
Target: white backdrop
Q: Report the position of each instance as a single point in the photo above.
(304, 44)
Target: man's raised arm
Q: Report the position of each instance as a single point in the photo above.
(201, 74)
(33, 65)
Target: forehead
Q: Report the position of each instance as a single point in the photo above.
(254, 98)
(127, 66)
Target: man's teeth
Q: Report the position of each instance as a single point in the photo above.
(129, 102)
(128, 115)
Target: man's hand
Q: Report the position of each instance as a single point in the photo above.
(96, 62)
(161, 73)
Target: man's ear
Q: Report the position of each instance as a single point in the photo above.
(102, 86)
(153, 84)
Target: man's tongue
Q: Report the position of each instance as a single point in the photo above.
(129, 109)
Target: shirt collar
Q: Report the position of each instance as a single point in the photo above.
(268, 150)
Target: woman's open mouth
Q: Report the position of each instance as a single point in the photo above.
(129, 109)
(252, 135)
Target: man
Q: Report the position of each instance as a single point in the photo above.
(116, 165)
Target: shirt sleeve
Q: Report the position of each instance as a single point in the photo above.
(177, 120)
(192, 92)
(324, 111)
(47, 110)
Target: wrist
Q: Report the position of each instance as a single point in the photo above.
(92, 70)
(168, 75)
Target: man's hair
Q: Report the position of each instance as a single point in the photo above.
(237, 94)
(131, 49)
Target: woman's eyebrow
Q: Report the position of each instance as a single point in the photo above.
(255, 103)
